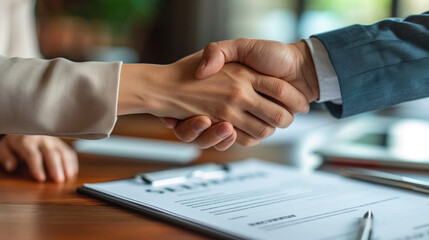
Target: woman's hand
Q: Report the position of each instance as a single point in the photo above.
(253, 103)
(40, 153)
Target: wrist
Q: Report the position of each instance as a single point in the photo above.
(308, 72)
(139, 88)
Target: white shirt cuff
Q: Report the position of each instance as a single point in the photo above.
(328, 80)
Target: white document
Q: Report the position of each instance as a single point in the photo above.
(261, 200)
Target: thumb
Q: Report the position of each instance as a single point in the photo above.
(212, 61)
(216, 54)
(169, 122)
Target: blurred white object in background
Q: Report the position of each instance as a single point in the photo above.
(380, 141)
(409, 139)
(139, 148)
(307, 133)
(112, 54)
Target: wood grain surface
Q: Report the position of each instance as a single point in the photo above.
(31, 210)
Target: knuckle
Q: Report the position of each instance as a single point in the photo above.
(236, 95)
(28, 142)
(284, 119)
(212, 46)
(264, 132)
(242, 41)
(280, 119)
(279, 90)
(241, 71)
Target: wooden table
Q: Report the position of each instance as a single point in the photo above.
(30, 210)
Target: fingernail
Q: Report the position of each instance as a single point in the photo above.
(199, 126)
(221, 132)
(60, 176)
(70, 172)
(307, 108)
(8, 165)
(202, 64)
(42, 177)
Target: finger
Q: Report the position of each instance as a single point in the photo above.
(73, 155)
(216, 54)
(283, 92)
(227, 143)
(188, 130)
(169, 122)
(252, 125)
(7, 158)
(53, 163)
(69, 162)
(245, 139)
(31, 155)
(270, 112)
(214, 135)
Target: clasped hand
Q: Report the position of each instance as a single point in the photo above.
(250, 114)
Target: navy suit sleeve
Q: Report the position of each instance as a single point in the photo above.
(379, 65)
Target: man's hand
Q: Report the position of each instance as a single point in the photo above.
(40, 153)
(290, 62)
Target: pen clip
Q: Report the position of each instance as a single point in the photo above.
(209, 171)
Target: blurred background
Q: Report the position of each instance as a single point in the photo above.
(162, 31)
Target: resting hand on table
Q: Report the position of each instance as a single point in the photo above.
(39, 153)
(290, 62)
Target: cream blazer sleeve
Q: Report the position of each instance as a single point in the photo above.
(50, 97)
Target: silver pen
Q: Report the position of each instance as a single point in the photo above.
(387, 179)
(365, 228)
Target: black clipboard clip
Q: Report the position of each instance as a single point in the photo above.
(202, 172)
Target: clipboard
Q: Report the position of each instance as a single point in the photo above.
(255, 199)
(166, 178)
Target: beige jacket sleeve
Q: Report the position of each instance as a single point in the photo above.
(50, 97)
(58, 97)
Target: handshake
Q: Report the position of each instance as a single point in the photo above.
(233, 91)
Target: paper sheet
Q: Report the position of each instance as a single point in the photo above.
(261, 200)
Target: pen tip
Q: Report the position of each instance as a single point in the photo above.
(368, 214)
